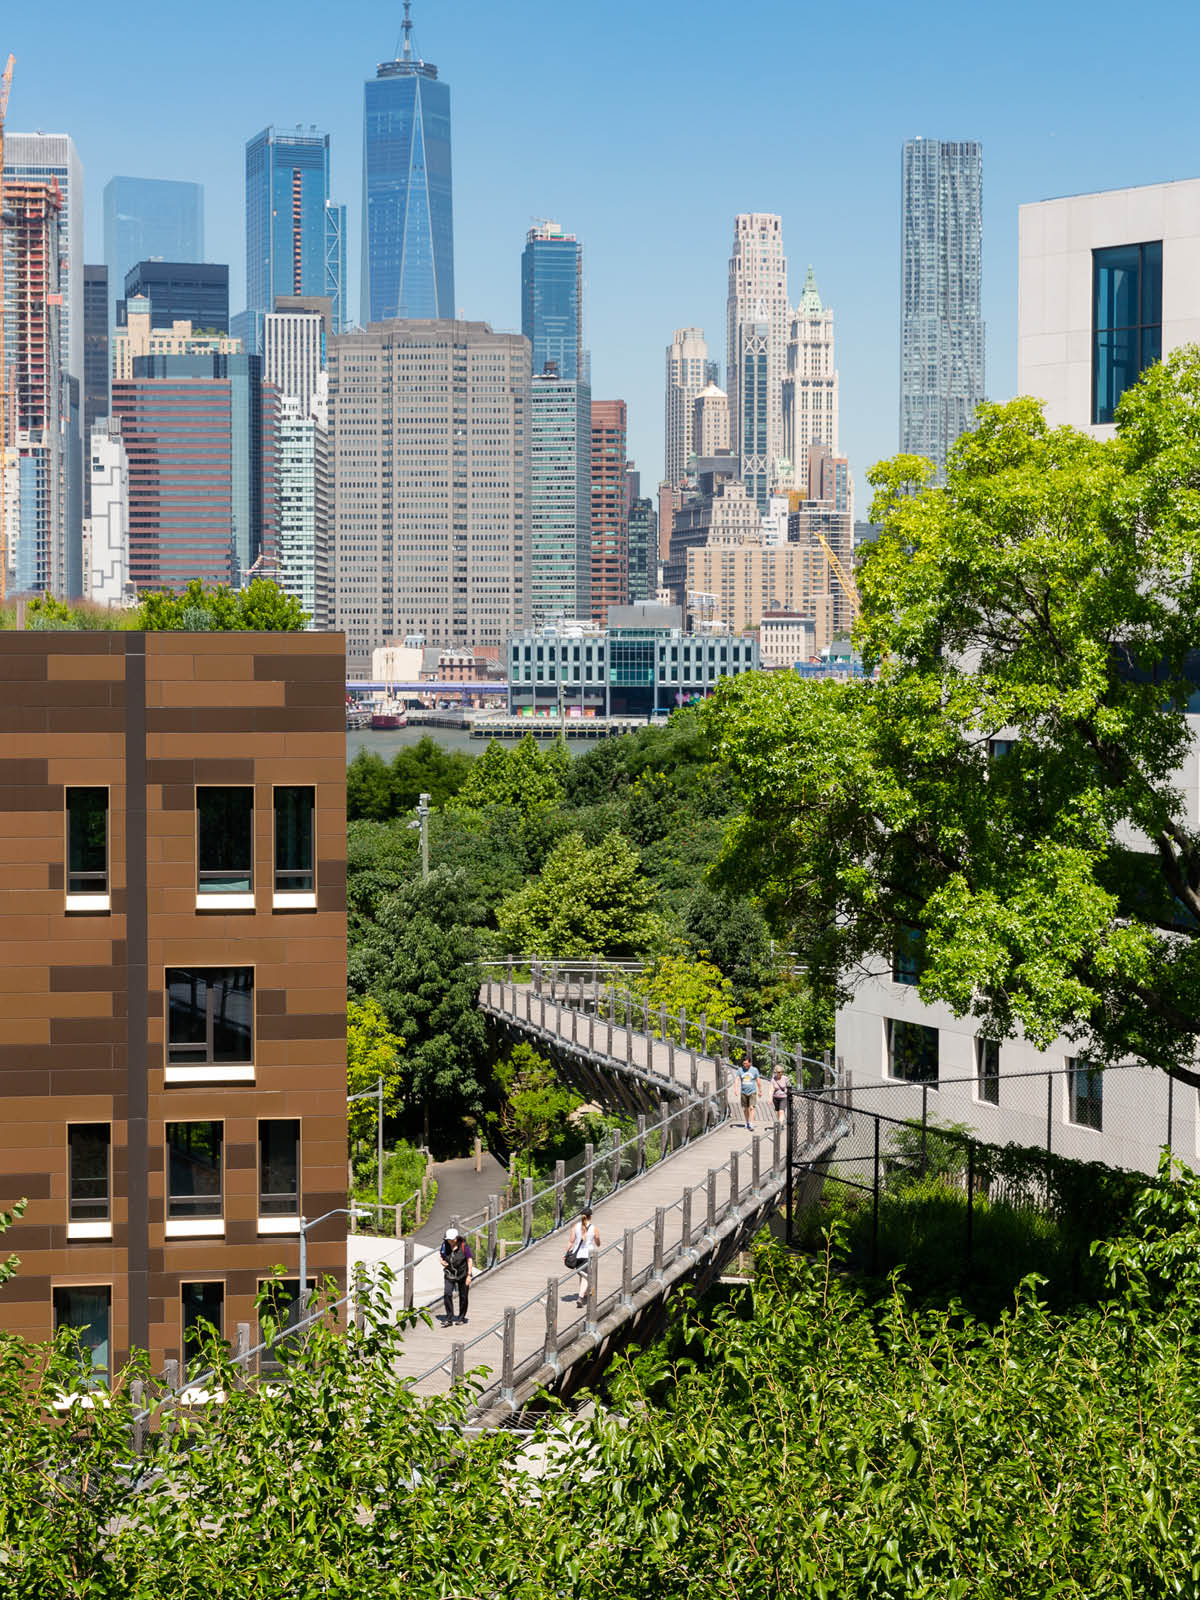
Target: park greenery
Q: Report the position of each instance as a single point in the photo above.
(261, 606)
(812, 1437)
(1007, 797)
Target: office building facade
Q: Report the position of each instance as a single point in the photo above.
(301, 483)
(560, 498)
(95, 358)
(179, 291)
(941, 282)
(108, 580)
(141, 335)
(810, 387)
(710, 421)
(200, 433)
(295, 239)
(552, 300)
(1109, 283)
(172, 1076)
(429, 428)
(294, 347)
(757, 319)
(408, 213)
(610, 519)
(687, 376)
(147, 219)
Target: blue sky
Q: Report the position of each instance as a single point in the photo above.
(643, 128)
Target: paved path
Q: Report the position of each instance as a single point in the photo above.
(461, 1190)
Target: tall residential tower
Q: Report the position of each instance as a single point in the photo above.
(408, 218)
(552, 299)
(941, 276)
(757, 320)
(687, 369)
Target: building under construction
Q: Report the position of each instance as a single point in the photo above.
(34, 425)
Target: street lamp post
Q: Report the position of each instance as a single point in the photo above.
(305, 1225)
(423, 820)
(375, 1094)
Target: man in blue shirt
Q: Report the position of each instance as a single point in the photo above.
(749, 1086)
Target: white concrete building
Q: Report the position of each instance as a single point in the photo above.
(785, 637)
(1109, 283)
(108, 574)
(302, 502)
(294, 358)
(757, 320)
(687, 376)
(810, 387)
(775, 521)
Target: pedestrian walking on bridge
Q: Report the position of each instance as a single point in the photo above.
(750, 1089)
(584, 1239)
(457, 1265)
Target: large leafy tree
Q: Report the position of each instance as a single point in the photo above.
(588, 901)
(1010, 793)
(523, 778)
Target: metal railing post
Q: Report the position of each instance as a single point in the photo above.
(550, 1339)
(526, 1212)
(457, 1362)
(660, 1226)
(776, 1140)
(560, 1189)
(704, 1033)
(695, 1072)
(493, 1227)
(711, 1214)
(615, 1169)
(410, 1251)
(756, 1165)
(593, 1275)
(733, 1180)
(685, 1232)
(627, 1268)
(589, 1158)
(663, 1130)
(641, 1142)
(508, 1358)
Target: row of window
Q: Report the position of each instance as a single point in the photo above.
(195, 1170)
(87, 1312)
(912, 1056)
(224, 840)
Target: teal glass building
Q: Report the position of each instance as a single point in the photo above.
(408, 213)
(294, 236)
(552, 299)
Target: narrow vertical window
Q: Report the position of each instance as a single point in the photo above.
(87, 841)
(279, 1167)
(224, 841)
(987, 1066)
(88, 1145)
(295, 865)
(1126, 320)
(1085, 1092)
(193, 1170)
(86, 1315)
(203, 1313)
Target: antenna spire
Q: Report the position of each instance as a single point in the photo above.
(407, 30)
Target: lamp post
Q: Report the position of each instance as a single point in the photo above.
(305, 1225)
(423, 822)
(375, 1094)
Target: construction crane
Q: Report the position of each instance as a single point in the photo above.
(5, 86)
(846, 582)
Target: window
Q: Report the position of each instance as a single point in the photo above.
(224, 841)
(281, 1302)
(210, 1014)
(908, 955)
(987, 1070)
(203, 1310)
(87, 1314)
(88, 1147)
(279, 1168)
(294, 863)
(999, 747)
(1085, 1093)
(87, 841)
(912, 1050)
(1126, 320)
(193, 1170)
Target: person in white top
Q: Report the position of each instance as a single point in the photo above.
(584, 1239)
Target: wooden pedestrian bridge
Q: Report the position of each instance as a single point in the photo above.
(672, 1203)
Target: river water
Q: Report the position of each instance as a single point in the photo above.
(386, 743)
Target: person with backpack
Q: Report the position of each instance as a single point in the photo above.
(750, 1089)
(457, 1265)
(779, 1092)
(583, 1241)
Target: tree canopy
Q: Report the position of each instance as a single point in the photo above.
(588, 901)
(523, 778)
(1010, 793)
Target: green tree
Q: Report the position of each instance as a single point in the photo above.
(523, 778)
(368, 788)
(588, 901)
(427, 768)
(535, 1108)
(699, 988)
(373, 1051)
(262, 606)
(1049, 598)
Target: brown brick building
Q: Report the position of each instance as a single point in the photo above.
(610, 518)
(172, 975)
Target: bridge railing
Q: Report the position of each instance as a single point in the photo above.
(641, 1264)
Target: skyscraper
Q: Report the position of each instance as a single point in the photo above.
(52, 158)
(687, 374)
(95, 359)
(757, 316)
(180, 291)
(408, 220)
(941, 274)
(810, 388)
(429, 426)
(146, 218)
(552, 299)
(295, 239)
(560, 509)
(610, 516)
(710, 424)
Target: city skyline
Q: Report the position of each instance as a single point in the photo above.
(1031, 113)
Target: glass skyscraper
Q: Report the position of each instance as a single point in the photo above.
(146, 218)
(941, 280)
(552, 299)
(294, 236)
(408, 215)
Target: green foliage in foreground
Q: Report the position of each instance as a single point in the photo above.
(804, 1441)
(261, 607)
(588, 901)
